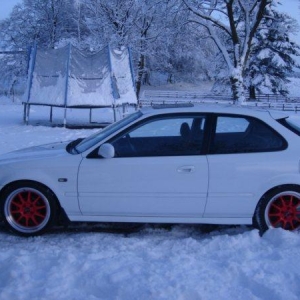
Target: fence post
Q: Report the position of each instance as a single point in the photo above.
(51, 114)
(90, 115)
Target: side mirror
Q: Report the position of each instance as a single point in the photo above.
(106, 150)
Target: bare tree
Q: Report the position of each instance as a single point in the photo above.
(45, 22)
(232, 25)
(112, 19)
(152, 22)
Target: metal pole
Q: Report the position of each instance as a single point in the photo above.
(111, 82)
(67, 85)
(131, 68)
(51, 114)
(27, 113)
(132, 73)
(29, 82)
(24, 112)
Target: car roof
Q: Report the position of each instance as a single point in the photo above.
(213, 108)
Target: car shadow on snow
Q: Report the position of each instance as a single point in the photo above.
(132, 228)
(127, 229)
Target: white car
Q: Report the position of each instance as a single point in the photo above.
(213, 164)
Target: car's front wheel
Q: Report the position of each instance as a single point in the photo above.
(279, 208)
(28, 208)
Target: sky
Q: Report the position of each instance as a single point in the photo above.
(6, 7)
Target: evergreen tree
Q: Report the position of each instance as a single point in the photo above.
(273, 55)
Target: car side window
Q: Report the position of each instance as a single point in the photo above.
(244, 135)
(162, 136)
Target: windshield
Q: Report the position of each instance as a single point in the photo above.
(95, 138)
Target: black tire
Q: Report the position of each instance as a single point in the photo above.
(280, 208)
(28, 208)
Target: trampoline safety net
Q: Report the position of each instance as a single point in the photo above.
(67, 77)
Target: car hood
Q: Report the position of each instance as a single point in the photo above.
(55, 149)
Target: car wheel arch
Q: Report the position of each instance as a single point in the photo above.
(61, 216)
(26, 181)
(271, 191)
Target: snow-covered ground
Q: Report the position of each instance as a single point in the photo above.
(154, 262)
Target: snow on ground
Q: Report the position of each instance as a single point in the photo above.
(153, 262)
(293, 87)
(15, 135)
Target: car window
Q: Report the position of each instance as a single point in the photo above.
(244, 135)
(100, 135)
(162, 136)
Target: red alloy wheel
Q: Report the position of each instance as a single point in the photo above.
(27, 210)
(283, 211)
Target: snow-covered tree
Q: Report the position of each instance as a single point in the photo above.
(154, 31)
(182, 39)
(232, 24)
(43, 21)
(13, 66)
(273, 54)
(168, 47)
(152, 28)
(19, 30)
(112, 21)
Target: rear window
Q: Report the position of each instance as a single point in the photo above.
(241, 134)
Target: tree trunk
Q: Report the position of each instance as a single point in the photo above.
(141, 71)
(237, 86)
(252, 92)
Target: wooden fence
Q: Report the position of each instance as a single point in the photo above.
(279, 102)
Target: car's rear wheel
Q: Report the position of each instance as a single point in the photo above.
(28, 208)
(280, 208)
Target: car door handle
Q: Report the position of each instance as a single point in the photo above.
(186, 169)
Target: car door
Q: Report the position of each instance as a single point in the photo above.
(245, 154)
(158, 171)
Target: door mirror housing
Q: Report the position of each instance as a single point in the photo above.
(106, 150)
